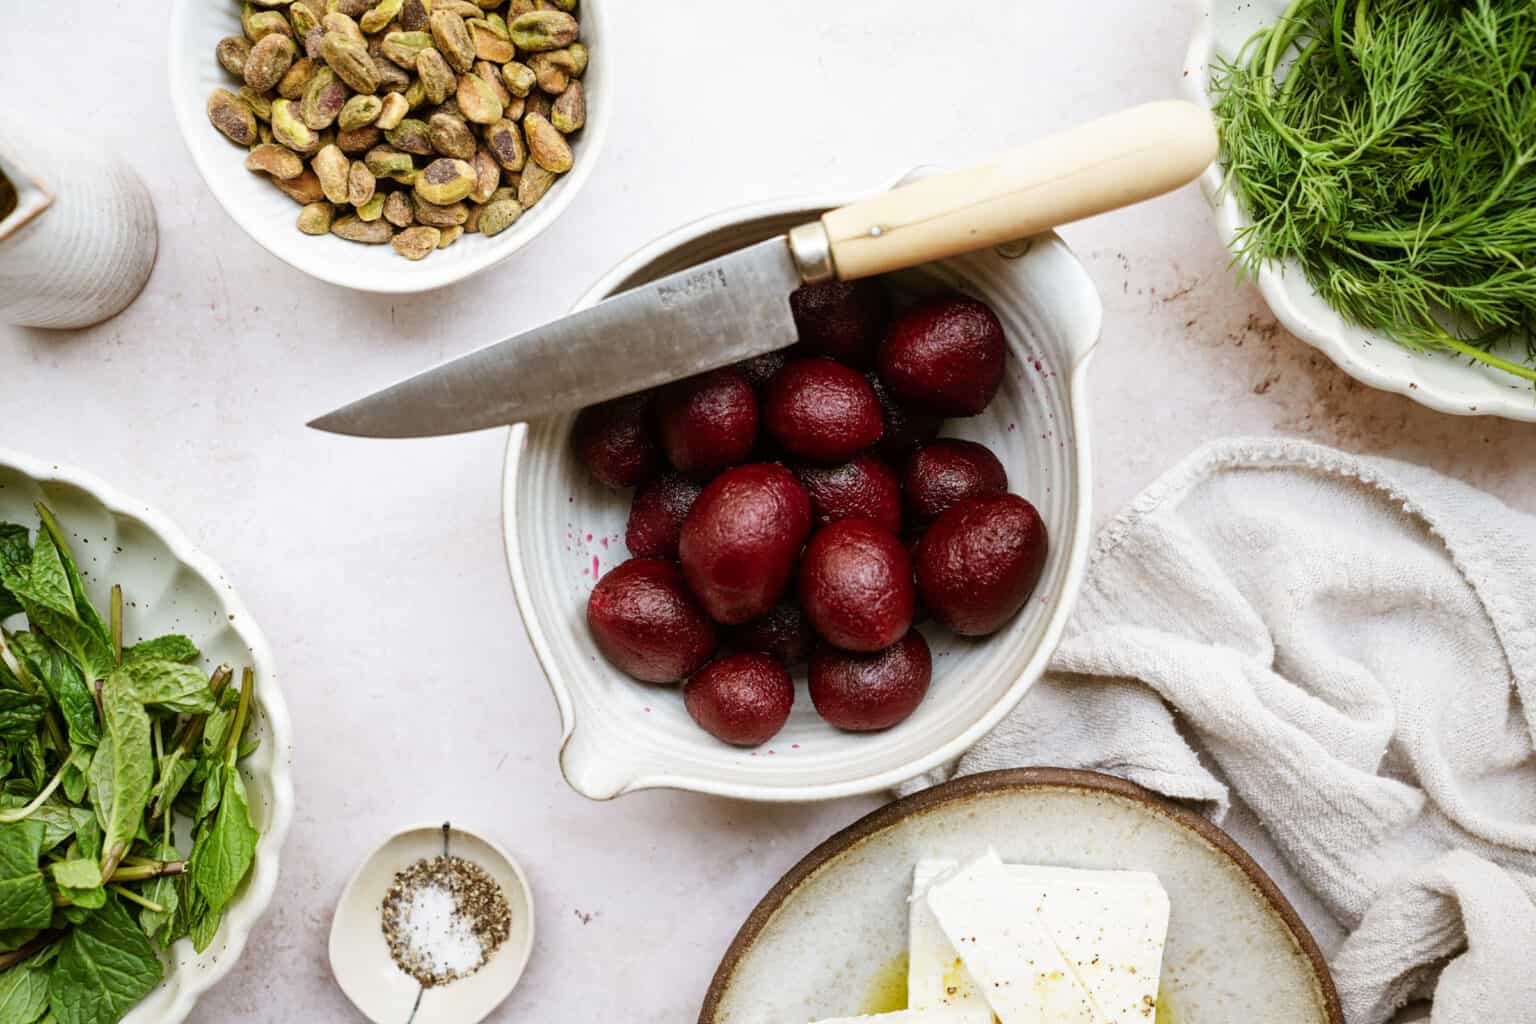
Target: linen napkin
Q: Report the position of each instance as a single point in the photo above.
(1345, 646)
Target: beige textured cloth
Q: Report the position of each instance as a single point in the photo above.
(1347, 646)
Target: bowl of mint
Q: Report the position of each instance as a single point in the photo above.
(144, 759)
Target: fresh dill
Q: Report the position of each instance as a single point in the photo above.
(1386, 147)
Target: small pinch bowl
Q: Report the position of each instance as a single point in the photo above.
(1438, 380)
(268, 216)
(563, 530)
(173, 587)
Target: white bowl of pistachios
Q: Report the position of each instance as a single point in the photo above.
(391, 146)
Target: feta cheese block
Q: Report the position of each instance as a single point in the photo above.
(1110, 927)
(1005, 947)
(976, 1014)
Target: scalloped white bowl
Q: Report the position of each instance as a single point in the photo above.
(1437, 380)
(268, 216)
(563, 530)
(170, 586)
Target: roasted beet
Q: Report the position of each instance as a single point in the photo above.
(760, 369)
(656, 515)
(979, 562)
(743, 699)
(616, 440)
(862, 488)
(945, 356)
(856, 585)
(821, 410)
(841, 320)
(707, 422)
(906, 429)
(741, 538)
(646, 622)
(783, 633)
(947, 472)
(867, 692)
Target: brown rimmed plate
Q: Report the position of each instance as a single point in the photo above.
(829, 940)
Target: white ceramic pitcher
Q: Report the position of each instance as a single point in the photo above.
(81, 239)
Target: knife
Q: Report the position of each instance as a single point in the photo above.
(737, 306)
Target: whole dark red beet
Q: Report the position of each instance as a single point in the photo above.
(783, 633)
(656, 516)
(821, 410)
(856, 585)
(760, 369)
(979, 562)
(863, 488)
(906, 429)
(947, 472)
(868, 692)
(616, 441)
(708, 422)
(646, 622)
(945, 356)
(741, 538)
(841, 320)
(743, 699)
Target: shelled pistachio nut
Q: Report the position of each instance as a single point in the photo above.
(289, 129)
(418, 242)
(359, 112)
(445, 180)
(278, 161)
(354, 229)
(233, 117)
(569, 111)
(315, 218)
(546, 145)
(537, 31)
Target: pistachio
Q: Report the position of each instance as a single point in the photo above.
(437, 216)
(343, 25)
(498, 216)
(506, 191)
(520, 7)
(397, 210)
(402, 47)
(437, 78)
(445, 181)
(417, 243)
(451, 35)
(489, 45)
(546, 145)
(392, 77)
(487, 176)
(289, 128)
(373, 209)
(304, 189)
(315, 218)
(478, 101)
(551, 79)
(359, 140)
(292, 85)
(331, 166)
(472, 222)
(414, 15)
(278, 161)
(257, 25)
(304, 19)
(490, 5)
(514, 109)
(260, 105)
(312, 40)
(505, 141)
(263, 132)
(451, 136)
(355, 229)
(359, 112)
(569, 113)
(411, 136)
(519, 78)
(361, 184)
(538, 102)
(384, 12)
(269, 61)
(537, 31)
(463, 8)
(416, 95)
(389, 162)
(564, 5)
(351, 61)
(350, 8)
(535, 181)
(232, 53)
(232, 116)
(490, 74)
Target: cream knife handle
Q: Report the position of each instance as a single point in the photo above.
(1103, 165)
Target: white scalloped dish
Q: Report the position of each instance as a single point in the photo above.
(1437, 380)
(564, 530)
(172, 587)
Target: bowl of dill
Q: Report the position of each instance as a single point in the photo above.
(1377, 180)
(144, 758)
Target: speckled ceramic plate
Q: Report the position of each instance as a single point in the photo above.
(830, 939)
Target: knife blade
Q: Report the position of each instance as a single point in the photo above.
(737, 306)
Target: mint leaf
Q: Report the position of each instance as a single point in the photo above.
(173, 647)
(105, 966)
(24, 989)
(43, 581)
(85, 612)
(165, 892)
(122, 770)
(15, 550)
(65, 684)
(168, 684)
(24, 898)
(224, 851)
(59, 819)
(76, 874)
(20, 714)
